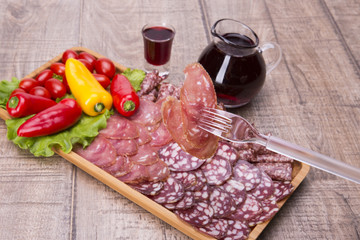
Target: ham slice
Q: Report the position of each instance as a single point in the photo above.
(181, 117)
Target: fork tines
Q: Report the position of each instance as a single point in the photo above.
(211, 120)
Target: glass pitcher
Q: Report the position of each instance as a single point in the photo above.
(235, 62)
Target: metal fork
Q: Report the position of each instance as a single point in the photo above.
(234, 128)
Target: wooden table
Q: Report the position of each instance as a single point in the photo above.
(312, 98)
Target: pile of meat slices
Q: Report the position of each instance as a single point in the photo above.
(223, 189)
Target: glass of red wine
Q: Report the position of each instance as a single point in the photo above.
(158, 39)
(235, 62)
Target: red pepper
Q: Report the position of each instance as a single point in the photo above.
(23, 104)
(125, 99)
(52, 120)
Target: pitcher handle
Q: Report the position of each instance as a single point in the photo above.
(277, 57)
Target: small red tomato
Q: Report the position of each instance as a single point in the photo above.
(58, 68)
(17, 91)
(87, 56)
(44, 76)
(40, 91)
(55, 87)
(87, 64)
(105, 66)
(102, 79)
(64, 81)
(69, 54)
(28, 83)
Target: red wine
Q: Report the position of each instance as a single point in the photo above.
(157, 44)
(238, 73)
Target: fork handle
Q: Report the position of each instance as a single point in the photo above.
(312, 158)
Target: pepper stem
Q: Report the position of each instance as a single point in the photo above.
(129, 106)
(99, 107)
(13, 102)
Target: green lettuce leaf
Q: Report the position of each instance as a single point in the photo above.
(82, 132)
(135, 76)
(6, 87)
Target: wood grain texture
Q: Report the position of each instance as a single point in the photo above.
(311, 98)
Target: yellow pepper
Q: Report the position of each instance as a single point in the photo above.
(88, 92)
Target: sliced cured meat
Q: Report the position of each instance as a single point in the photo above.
(153, 128)
(158, 171)
(196, 94)
(203, 194)
(150, 82)
(147, 155)
(200, 181)
(237, 230)
(148, 188)
(160, 136)
(217, 170)
(265, 189)
(147, 114)
(217, 228)
(172, 192)
(236, 190)
(247, 174)
(246, 155)
(248, 210)
(226, 151)
(121, 167)
(119, 127)
(146, 173)
(100, 152)
(241, 145)
(179, 160)
(222, 203)
(187, 179)
(198, 215)
(168, 89)
(151, 96)
(277, 171)
(144, 135)
(282, 189)
(124, 147)
(269, 207)
(171, 112)
(186, 202)
(273, 157)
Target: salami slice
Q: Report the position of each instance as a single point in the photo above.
(273, 158)
(158, 172)
(237, 230)
(228, 152)
(247, 174)
(265, 189)
(222, 203)
(147, 155)
(246, 154)
(121, 167)
(186, 202)
(203, 194)
(179, 160)
(144, 135)
(124, 147)
(100, 152)
(196, 94)
(269, 207)
(150, 82)
(277, 171)
(119, 127)
(198, 215)
(217, 170)
(147, 114)
(236, 190)
(187, 179)
(217, 228)
(200, 181)
(248, 210)
(148, 188)
(168, 89)
(137, 174)
(172, 192)
(282, 189)
(160, 136)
